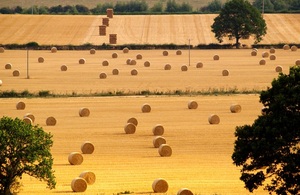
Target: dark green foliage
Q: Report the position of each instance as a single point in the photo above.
(213, 7)
(239, 19)
(24, 149)
(270, 147)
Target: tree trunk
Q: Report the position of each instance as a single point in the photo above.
(237, 44)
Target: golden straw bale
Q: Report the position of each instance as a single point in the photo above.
(63, 68)
(147, 64)
(105, 63)
(294, 48)
(165, 53)
(8, 66)
(272, 57)
(158, 140)
(132, 62)
(129, 128)
(213, 119)
(51, 121)
(165, 150)
(272, 50)
(1, 82)
(278, 69)
(178, 52)
(297, 62)
(235, 108)
(225, 72)
(128, 61)
(20, 105)
(134, 72)
(286, 47)
(192, 104)
(184, 68)
(184, 191)
(41, 60)
(146, 108)
(87, 147)
(216, 57)
(115, 71)
(75, 158)
(82, 61)
(125, 50)
(92, 51)
(160, 185)
(167, 67)
(31, 116)
(79, 184)
(114, 55)
(133, 121)
(139, 56)
(88, 176)
(16, 73)
(199, 65)
(2, 49)
(102, 75)
(253, 53)
(265, 54)
(105, 21)
(27, 120)
(158, 130)
(53, 49)
(262, 62)
(109, 13)
(84, 112)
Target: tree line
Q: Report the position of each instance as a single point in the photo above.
(141, 7)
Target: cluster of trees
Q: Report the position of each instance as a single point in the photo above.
(277, 5)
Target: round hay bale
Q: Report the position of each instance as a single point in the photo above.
(272, 50)
(160, 185)
(139, 56)
(158, 130)
(114, 55)
(63, 68)
(27, 120)
(115, 71)
(184, 191)
(16, 73)
(265, 54)
(213, 119)
(79, 184)
(2, 49)
(294, 48)
(263, 110)
(147, 64)
(165, 150)
(272, 57)
(178, 52)
(105, 63)
(133, 121)
(132, 62)
(225, 73)
(146, 108)
(88, 176)
(41, 60)
(20, 105)
(216, 57)
(128, 61)
(158, 140)
(125, 50)
(92, 51)
(75, 158)
(199, 65)
(87, 147)
(134, 72)
(84, 112)
(165, 53)
(102, 75)
(31, 116)
(167, 67)
(1, 82)
(8, 66)
(51, 121)
(53, 49)
(192, 104)
(286, 47)
(82, 61)
(129, 128)
(297, 62)
(235, 108)
(253, 53)
(184, 68)
(278, 69)
(262, 62)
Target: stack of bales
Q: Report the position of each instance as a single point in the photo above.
(102, 30)
(113, 38)
(105, 21)
(110, 13)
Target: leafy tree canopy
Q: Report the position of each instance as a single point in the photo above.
(269, 150)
